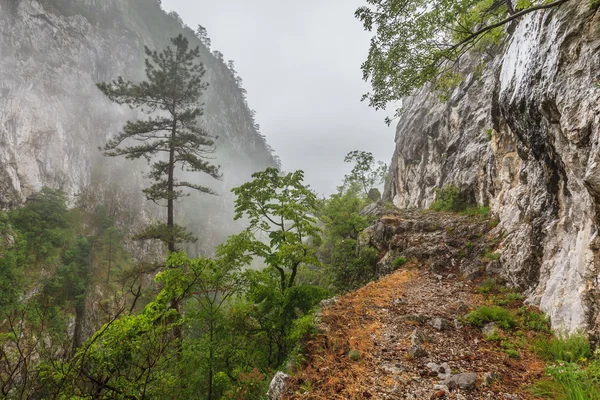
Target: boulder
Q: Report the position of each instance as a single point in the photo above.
(278, 386)
(464, 381)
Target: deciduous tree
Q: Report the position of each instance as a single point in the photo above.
(281, 208)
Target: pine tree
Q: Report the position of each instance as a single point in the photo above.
(171, 137)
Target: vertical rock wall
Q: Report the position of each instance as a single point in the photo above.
(523, 139)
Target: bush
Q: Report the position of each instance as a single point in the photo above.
(448, 199)
(490, 255)
(534, 321)
(486, 314)
(354, 355)
(488, 286)
(400, 261)
(512, 353)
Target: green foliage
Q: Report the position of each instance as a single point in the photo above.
(417, 41)
(347, 265)
(570, 381)
(485, 314)
(570, 349)
(482, 212)
(448, 198)
(489, 134)
(573, 371)
(131, 354)
(493, 336)
(512, 353)
(533, 320)
(12, 255)
(446, 82)
(367, 173)
(282, 209)
(174, 86)
(70, 284)
(354, 355)
(44, 223)
(399, 261)
(491, 255)
(488, 286)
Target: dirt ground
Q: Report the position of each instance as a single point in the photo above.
(363, 351)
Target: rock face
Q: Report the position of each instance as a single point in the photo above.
(53, 118)
(522, 138)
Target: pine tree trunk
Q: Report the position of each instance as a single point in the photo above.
(170, 181)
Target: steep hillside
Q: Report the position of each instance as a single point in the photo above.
(522, 137)
(53, 117)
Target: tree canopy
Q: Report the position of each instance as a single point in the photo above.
(366, 172)
(419, 41)
(282, 208)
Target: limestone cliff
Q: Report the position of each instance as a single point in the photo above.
(53, 118)
(523, 138)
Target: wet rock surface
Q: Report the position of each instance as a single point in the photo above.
(524, 139)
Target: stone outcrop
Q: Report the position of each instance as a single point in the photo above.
(442, 242)
(523, 138)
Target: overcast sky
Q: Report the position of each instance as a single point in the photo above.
(300, 63)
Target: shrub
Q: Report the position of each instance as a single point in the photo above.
(354, 355)
(535, 321)
(486, 314)
(490, 255)
(488, 286)
(399, 261)
(512, 353)
(482, 212)
(448, 198)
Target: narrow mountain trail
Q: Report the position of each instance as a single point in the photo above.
(404, 337)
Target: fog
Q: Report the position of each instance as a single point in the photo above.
(300, 62)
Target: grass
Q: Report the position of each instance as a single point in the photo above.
(512, 353)
(570, 373)
(534, 321)
(493, 337)
(572, 370)
(568, 349)
(481, 212)
(501, 316)
(448, 198)
(489, 134)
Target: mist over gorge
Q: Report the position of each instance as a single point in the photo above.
(54, 118)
